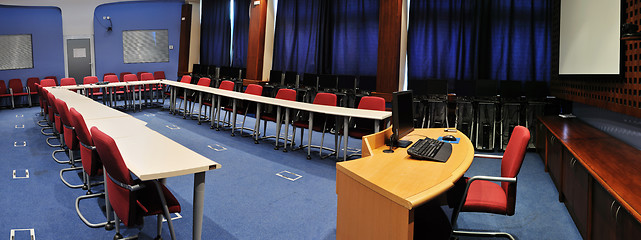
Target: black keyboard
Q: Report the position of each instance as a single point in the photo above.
(430, 149)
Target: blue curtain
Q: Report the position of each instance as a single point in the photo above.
(215, 34)
(472, 39)
(354, 37)
(519, 40)
(327, 37)
(241, 31)
(441, 39)
(297, 35)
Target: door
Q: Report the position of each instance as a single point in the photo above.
(78, 58)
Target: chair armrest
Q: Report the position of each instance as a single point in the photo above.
(488, 156)
(126, 186)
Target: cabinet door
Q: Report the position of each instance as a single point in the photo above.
(627, 225)
(554, 161)
(576, 182)
(603, 216)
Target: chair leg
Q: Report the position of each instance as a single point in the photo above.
(84, 220)
(62, 171)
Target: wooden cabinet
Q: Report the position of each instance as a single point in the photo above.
(603, 217)
(553, 155)
(575, 188)
(627, 226)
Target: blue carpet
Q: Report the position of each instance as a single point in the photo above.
(245, 199)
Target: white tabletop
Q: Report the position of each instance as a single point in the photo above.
(332, 110)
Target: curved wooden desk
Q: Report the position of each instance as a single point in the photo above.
(377, 194)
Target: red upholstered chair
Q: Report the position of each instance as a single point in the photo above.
(92, 92)
(224, 85)
(113, 92)
(67, 81)
(55, 79)
(320, 124)
(32, 89)
(180, 93)
(206, 100)
(131, 198)
(243, 107)
(132, 90)
(285, 94)
(70, 140)
(42, 97)
(18, 90)
(159, 75)
(6, 93)
(57, 126)
(361, 127)
(122, 75)
(139, 75)
(481, 194)
(91, 165)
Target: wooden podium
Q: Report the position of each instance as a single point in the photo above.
(377, 194)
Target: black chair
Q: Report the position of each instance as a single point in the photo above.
(486, 102)
(511, 109)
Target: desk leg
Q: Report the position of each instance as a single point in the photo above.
(345, 133)
(218, 114)
(277, 128)
(199, 200)
(200, 105)
(257, 124)
(184, 103)
(309, 135)
(233, 122)
(286, 129)
(377, 125)
(211, 113)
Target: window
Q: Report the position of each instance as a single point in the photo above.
(145, 46)
(16, 53)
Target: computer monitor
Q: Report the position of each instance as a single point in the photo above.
(326, 82)
(291, 78)
(275, 77)
(346, 82)
(310, 80)
(402, 118)
(367, 83)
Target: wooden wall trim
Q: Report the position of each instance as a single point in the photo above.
(185, 39)
(256, 40)
(389, 46)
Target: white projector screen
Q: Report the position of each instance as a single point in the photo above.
(590, 37)
(16, 52)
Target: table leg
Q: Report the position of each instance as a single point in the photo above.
(278, 128)
(184, 103)
(377, 125)
(200, 105)
(199, 200)
(286, 129)
(211, 113)
(345, 129)
(257, 124)
(309, 135)
(218, 114)
(233, 124)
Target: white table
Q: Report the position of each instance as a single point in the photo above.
(148, 155)
(342, 112)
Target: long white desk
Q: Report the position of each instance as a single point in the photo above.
(148, 154)
(342, 112)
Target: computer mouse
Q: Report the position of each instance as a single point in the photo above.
(449, 138)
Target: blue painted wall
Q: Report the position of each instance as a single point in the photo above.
(135, 16)
(45, 26)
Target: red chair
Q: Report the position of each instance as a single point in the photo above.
(32, 89)
(113, 92)
(54, 118)
(4, 93)
(224, 85)
(92, 92)
(149, 89)
(328, 99)
(205, 82)
(70, 140)
(55, 79)
(132, 199)
(42, 97)
(16, 87)
(358, 128)
(67, 82)
(91, 165)
(159, 75)
(139, 74)
(122, 75)
(285, 94)
(481, 194)
(253, 89)
(180, 93)
(130, 91)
